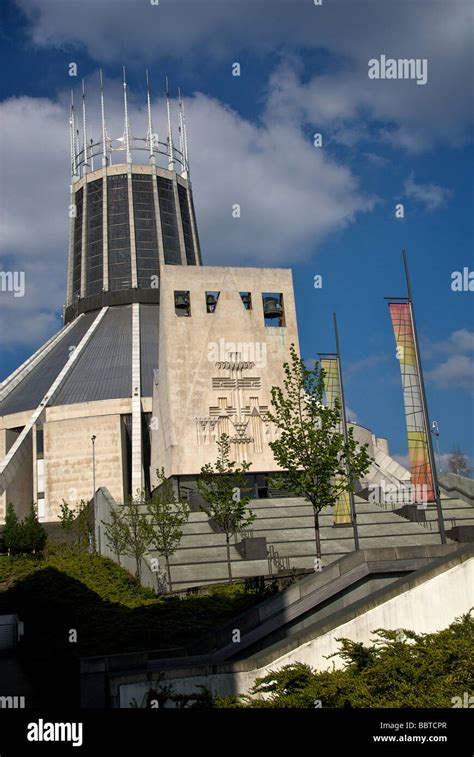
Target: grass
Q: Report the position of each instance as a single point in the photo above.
(108, 609)
(83, 585)
(104, 577)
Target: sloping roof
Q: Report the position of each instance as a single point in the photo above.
(149, 335)
(104, 368)
(30, 391)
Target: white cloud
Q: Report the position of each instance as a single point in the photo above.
(456, 372)
(363, 365)
(459, 342)
(431, 196)
(442, 461)
(191, 34)
(457, 367)
(269, 169)
(351, 415)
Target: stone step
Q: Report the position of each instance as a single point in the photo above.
(288, 526)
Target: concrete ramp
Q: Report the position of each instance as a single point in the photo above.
(419, 588)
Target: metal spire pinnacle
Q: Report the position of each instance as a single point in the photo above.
(150, 135)
(180, 127)
(72, 136)
(127, 126)
(181, 134)
(84, 129)
(184, 148)
(170, 133)
(105, 159)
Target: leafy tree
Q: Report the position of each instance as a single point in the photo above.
(67, 516)
(33, 533)
(317, 463)
(11, 535)
(137, 532)
(220, 486)
(78, 523)
(168, 514)
(115, 533)
(23, 537)
(458, 462)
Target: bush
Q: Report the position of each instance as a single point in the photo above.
(400, 669)
(33, 534)
(25, 537)
(11, 532)
(77, 523)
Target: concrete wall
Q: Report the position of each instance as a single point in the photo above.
(68, 460)
(20, 491)
(458, 486)
(199, 395)
(104, 504)
(426, 602)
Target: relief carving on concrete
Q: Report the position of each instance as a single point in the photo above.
(238, 412)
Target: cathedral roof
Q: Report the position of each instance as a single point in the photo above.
(102, 371)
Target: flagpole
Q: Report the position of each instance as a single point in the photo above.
(424, 403)
(346, 435)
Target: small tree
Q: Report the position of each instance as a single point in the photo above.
(458, 462)
(137, 532)
(220, 486)
(115, 533)
(168, 515)
(11, 534)
(77, 522)
(67, 516)
(318, 464)
(23, 537)
(34, 534)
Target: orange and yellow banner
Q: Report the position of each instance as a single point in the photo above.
(332, 388)
(421, 474)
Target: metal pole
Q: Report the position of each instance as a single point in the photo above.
(435, 432)
(424, 403)
(96, 525)
(346, 436)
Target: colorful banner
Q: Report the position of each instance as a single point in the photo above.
(421, 474)
(332, 389)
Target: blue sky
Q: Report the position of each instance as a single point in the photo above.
(327, 210)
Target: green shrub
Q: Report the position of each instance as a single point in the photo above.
(400, 669)
(11, 531)
(23, 537)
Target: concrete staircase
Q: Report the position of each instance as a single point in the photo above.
(288, 526)
(392, 587)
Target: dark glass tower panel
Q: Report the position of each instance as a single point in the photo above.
(198, 251)
(95, 271)
(186, 223)
(77, 248)
(146, 242)
(169, 221)
(120, 272)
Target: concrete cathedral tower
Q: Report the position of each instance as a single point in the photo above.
(158, 355)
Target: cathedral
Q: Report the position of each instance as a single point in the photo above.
(159, 354)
